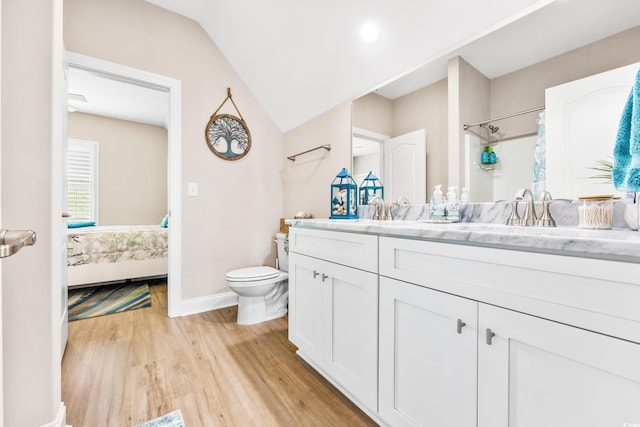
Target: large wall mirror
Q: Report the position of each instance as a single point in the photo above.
(511, 69)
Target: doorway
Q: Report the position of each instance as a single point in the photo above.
(144, 79)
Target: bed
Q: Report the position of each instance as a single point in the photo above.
(115, 253)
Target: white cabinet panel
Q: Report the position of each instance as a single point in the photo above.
(540, 373)
(427, 362)
(594, 294)
(305, 309)
(350, 327)
(333, 311)
(350, 249)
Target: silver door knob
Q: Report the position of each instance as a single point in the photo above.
(11, 241)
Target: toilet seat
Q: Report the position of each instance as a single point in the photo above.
(252, 274)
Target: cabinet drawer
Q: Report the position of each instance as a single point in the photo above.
(350, 249)
(597, 295)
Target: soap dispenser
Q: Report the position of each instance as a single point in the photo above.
(464, 197)
(452, 204)
(438, 206)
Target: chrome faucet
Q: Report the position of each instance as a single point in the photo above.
(545, 219)
(376, 201)
(529, 217)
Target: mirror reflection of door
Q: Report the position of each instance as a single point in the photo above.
(405, 167)
(582, 123)
(400, 163)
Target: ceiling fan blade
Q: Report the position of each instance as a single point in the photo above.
(76, 97)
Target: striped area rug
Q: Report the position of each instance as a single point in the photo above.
(173, 419)
(109, 299)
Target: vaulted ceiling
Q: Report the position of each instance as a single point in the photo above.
(302, 58)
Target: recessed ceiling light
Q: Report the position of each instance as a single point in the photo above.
(369, 32)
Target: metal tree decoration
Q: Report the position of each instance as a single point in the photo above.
(228, 136)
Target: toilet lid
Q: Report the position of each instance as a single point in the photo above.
(252, 273)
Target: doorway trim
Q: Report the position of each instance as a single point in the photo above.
(174, 133)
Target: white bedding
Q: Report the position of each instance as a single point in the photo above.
(113, 253)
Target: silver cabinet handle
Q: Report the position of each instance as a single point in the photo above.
(315, 274)
(11, 241)
(65, 215)
(489, 334)
(460, 324)
(324, 276)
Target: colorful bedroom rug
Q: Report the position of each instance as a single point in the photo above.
(107, 299)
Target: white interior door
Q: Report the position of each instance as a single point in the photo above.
(1, 327)
(582, 119)
(405, 167)
(64, 306)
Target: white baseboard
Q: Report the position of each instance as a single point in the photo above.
(61, 418)
(208, 303)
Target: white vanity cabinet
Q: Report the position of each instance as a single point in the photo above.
(428, 356)
(333, 308)
(555, 342)
(536, 372)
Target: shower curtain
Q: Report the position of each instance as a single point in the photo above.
(539, 162)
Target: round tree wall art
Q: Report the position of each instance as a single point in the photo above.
(228, 136)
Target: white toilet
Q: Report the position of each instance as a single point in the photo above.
(263, 291)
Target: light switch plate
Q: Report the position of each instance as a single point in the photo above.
(193, 189)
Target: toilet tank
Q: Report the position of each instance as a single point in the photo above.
(282, 243)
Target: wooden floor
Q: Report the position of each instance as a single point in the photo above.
(124, 369)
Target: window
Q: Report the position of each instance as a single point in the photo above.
(82, 180)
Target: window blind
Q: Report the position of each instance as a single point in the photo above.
(82, 180)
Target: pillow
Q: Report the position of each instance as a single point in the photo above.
(81, 224)
(165, 221)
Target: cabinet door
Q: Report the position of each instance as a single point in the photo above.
(541, 373)
(350, 325)
(428, 365)
(305, 305)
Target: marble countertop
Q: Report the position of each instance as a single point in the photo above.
(617, 244)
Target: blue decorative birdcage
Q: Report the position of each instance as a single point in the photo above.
(344, 196)
(370, 187)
